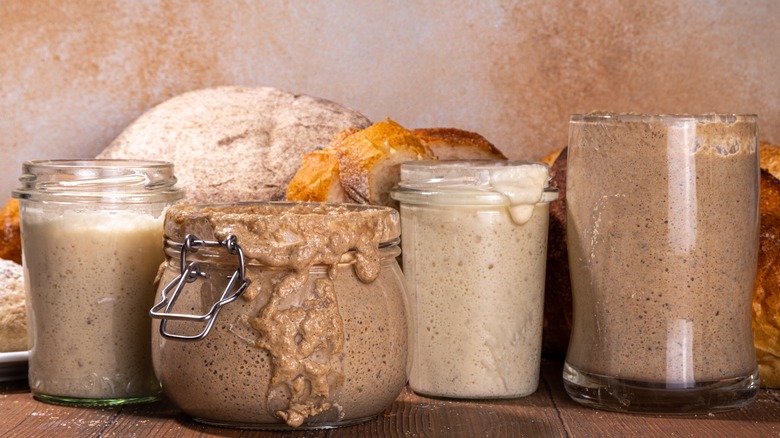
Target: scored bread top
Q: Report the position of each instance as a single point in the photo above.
(457, 144)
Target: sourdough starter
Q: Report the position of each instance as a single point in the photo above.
(475, 276)
(662, 234)
(90, 281)
(319, 337)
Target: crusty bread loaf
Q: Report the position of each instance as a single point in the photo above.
(318, 178)
(369, 161)
(10, 240)
(233, 143)
(457, 144)
(365, 163)
(770, 158)
(766, 298)
(13, 313)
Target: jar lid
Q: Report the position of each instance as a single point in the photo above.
(518, 185)
(288, 234)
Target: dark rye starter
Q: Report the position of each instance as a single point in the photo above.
(663, 239)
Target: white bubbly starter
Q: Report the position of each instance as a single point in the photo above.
(475, 277)
(90, 284)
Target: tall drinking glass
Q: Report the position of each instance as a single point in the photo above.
(662, 229)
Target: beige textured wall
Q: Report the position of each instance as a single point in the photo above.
(74, 74)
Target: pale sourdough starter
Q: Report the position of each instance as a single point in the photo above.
(475, 277)
(92, 285)
(663, 263)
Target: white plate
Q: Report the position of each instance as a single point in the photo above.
(13, 366)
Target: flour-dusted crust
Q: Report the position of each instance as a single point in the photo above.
(13, 313)
(234, 144)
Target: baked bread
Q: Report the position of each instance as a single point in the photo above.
(10, 240)
(370, 161)
(320, 179)
(13, 314)
(557, 320)
(766, 298)
(233, 144)
(457, 144)
(365, 163)
(361, 167)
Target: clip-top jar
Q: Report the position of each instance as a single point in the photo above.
(475, 246)
(280, 315)
(92, 245)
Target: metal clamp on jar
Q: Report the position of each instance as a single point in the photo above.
(301, 325)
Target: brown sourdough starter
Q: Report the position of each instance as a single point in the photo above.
(321, 330)
(661, 297)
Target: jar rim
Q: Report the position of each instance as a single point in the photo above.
(98, 180)
(474, 182)
(606, 117)
(205, 221)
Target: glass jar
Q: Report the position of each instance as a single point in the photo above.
(92, 245)
(475, 251)
(301, 322)
(662, 230)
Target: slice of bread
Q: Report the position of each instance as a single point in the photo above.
(370, 160)
(457, 144)
(318, 179)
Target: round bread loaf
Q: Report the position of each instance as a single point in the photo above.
(13, 312)
(233, 144)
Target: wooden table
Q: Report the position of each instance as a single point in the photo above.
(548, 412)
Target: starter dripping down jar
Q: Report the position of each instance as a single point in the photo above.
(281, 315)
(92, 246)
(475, 251)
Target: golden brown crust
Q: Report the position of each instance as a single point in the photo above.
(318, 178)
(766, 299)
(770, 158)
(368, 160)
(452, 143)
(10, 241)
(550, 158)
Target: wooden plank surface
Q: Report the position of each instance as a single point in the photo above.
(547, 413)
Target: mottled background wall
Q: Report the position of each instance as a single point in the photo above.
(74, 74)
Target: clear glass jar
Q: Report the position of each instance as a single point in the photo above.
(662, 230)
(92, 245)
(313, 334)
(475, 251)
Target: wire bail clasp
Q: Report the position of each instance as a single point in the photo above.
(191, 272)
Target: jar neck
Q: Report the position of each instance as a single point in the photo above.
(89, 181)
